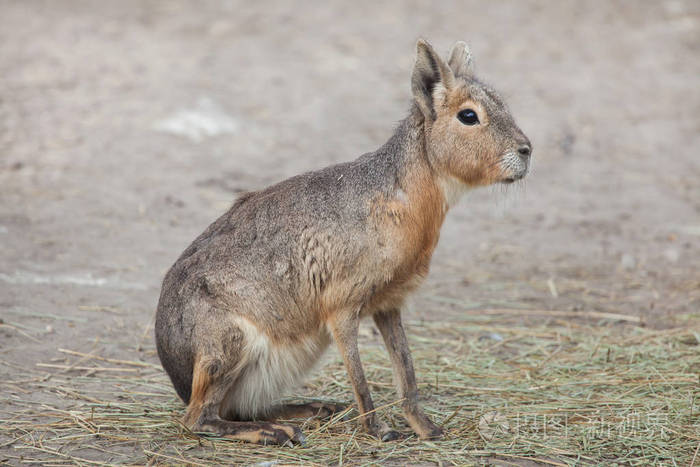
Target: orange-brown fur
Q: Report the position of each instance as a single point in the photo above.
(200, 384)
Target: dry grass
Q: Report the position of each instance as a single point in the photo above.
(507, 386)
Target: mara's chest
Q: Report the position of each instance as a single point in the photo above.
(408, 228)
(408, 225)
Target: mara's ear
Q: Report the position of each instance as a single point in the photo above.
(429, 71)
(461, 60)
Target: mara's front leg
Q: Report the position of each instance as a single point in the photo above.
(344, 328)
(389, 324)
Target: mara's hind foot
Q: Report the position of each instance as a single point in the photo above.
(209, 388)
(266, 433)
(318, 410)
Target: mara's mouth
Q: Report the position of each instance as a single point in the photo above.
(512, 179)
(513, 168)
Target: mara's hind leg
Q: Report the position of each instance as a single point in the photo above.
(209, 387)
(322, 410)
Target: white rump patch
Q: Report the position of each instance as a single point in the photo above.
(267, 371)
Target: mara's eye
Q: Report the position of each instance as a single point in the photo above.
(468, 117)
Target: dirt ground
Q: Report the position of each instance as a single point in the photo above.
(127, 127)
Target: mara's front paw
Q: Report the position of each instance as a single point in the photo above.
(423, 426)
(381, 430)
(390, 435)
(431, 431)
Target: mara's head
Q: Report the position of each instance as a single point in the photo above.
(470, 134)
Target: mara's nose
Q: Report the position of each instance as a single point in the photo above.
(524, 150)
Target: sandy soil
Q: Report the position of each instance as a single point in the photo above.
(126, 128)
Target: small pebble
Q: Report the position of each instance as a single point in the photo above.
(628, 262)
(672, 255)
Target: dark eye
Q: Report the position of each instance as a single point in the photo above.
(468, 117)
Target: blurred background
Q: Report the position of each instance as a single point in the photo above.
(127, 127)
